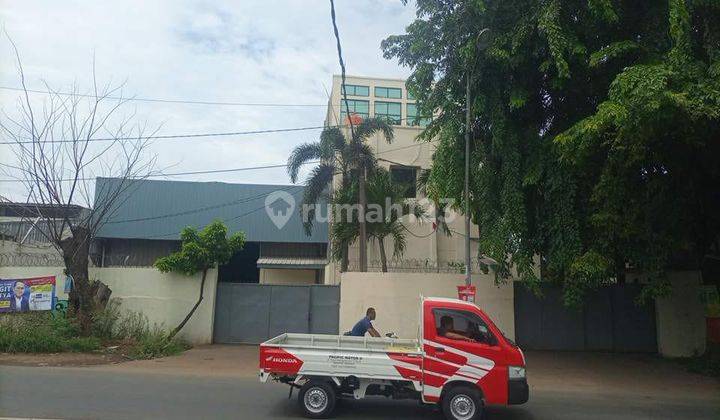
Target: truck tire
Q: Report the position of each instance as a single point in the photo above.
(462, 403)
(317, 399)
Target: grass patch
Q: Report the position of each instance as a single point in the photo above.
(134, 331)
(42, 332)
(155, 344)
(45, 332)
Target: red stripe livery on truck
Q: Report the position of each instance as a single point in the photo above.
(462, 371)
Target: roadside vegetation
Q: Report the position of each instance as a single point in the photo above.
(128, 333)
(707, 364)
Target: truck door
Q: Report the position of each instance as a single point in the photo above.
(459, 346)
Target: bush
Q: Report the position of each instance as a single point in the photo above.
(45, 332)
(42, 332)
(132, 325)
(155, 344)
(133, 329)
(104, 321)
(707, 364)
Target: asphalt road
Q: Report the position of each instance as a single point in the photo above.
(81, 393)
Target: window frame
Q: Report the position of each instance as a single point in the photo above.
(387, 92)
(389, 117)
(469, 317)
(346, 90)
(352, 103)
(415, 120)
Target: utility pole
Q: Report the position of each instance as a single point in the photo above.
(481, 44)
(468, 261)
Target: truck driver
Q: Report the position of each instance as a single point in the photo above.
(447, 329)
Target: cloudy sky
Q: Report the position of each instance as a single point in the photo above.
(270, 51)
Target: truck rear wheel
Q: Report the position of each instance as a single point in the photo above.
(317, 399)
(462, 403)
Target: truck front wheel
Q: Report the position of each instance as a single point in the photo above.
(462, 403)
(317, 399)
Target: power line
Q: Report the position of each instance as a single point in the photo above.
(215, 171)
(211, 171)
(171, 101)
(343, 89)
(200, 209)
(190, 136)
(228, 203)
(193, 102)
(174, 136)
(232, 219)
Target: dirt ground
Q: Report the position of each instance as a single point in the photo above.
(60, 359)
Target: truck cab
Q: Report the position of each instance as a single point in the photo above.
(460, 360)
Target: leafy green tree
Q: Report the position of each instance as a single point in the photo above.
(387, 206)
(594, 130)
(338, 155)
(200, 251)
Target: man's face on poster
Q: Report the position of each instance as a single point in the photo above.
(19, 289)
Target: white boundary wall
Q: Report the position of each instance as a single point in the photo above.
(164, 298)
(680, 317)
(396, 297)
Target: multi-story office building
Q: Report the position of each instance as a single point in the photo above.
(427, 249)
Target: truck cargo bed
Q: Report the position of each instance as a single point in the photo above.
(343, 342)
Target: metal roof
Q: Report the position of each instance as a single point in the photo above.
(150, 209)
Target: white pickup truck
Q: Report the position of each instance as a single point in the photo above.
(461, 375)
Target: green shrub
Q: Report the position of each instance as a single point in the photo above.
(43, 332)
(155, 344)
(132, 325)
(40, 332)
(104, 321)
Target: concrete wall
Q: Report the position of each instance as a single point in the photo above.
(396, 298)
(681, 329)
(286, 276)
(164, 298)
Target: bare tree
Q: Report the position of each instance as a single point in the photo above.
(62, 143)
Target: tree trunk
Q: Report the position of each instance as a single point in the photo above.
(620, 269)
(180, 326)
(361, 220)
(383, 257)
(75, 250)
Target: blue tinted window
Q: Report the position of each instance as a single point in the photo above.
(385, 92)
(391, 111)
(356, 90)
(357, 107)
(413, 119)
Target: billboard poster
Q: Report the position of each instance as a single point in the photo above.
(24, 295)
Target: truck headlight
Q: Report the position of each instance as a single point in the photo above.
(516, 372)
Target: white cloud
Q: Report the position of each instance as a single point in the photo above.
(250, 51)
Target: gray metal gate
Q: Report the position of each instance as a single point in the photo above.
(253, 313)
(609, 321)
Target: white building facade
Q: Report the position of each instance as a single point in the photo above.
(428, 249)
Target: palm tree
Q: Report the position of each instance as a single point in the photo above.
(386, 206)
(338, 156)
